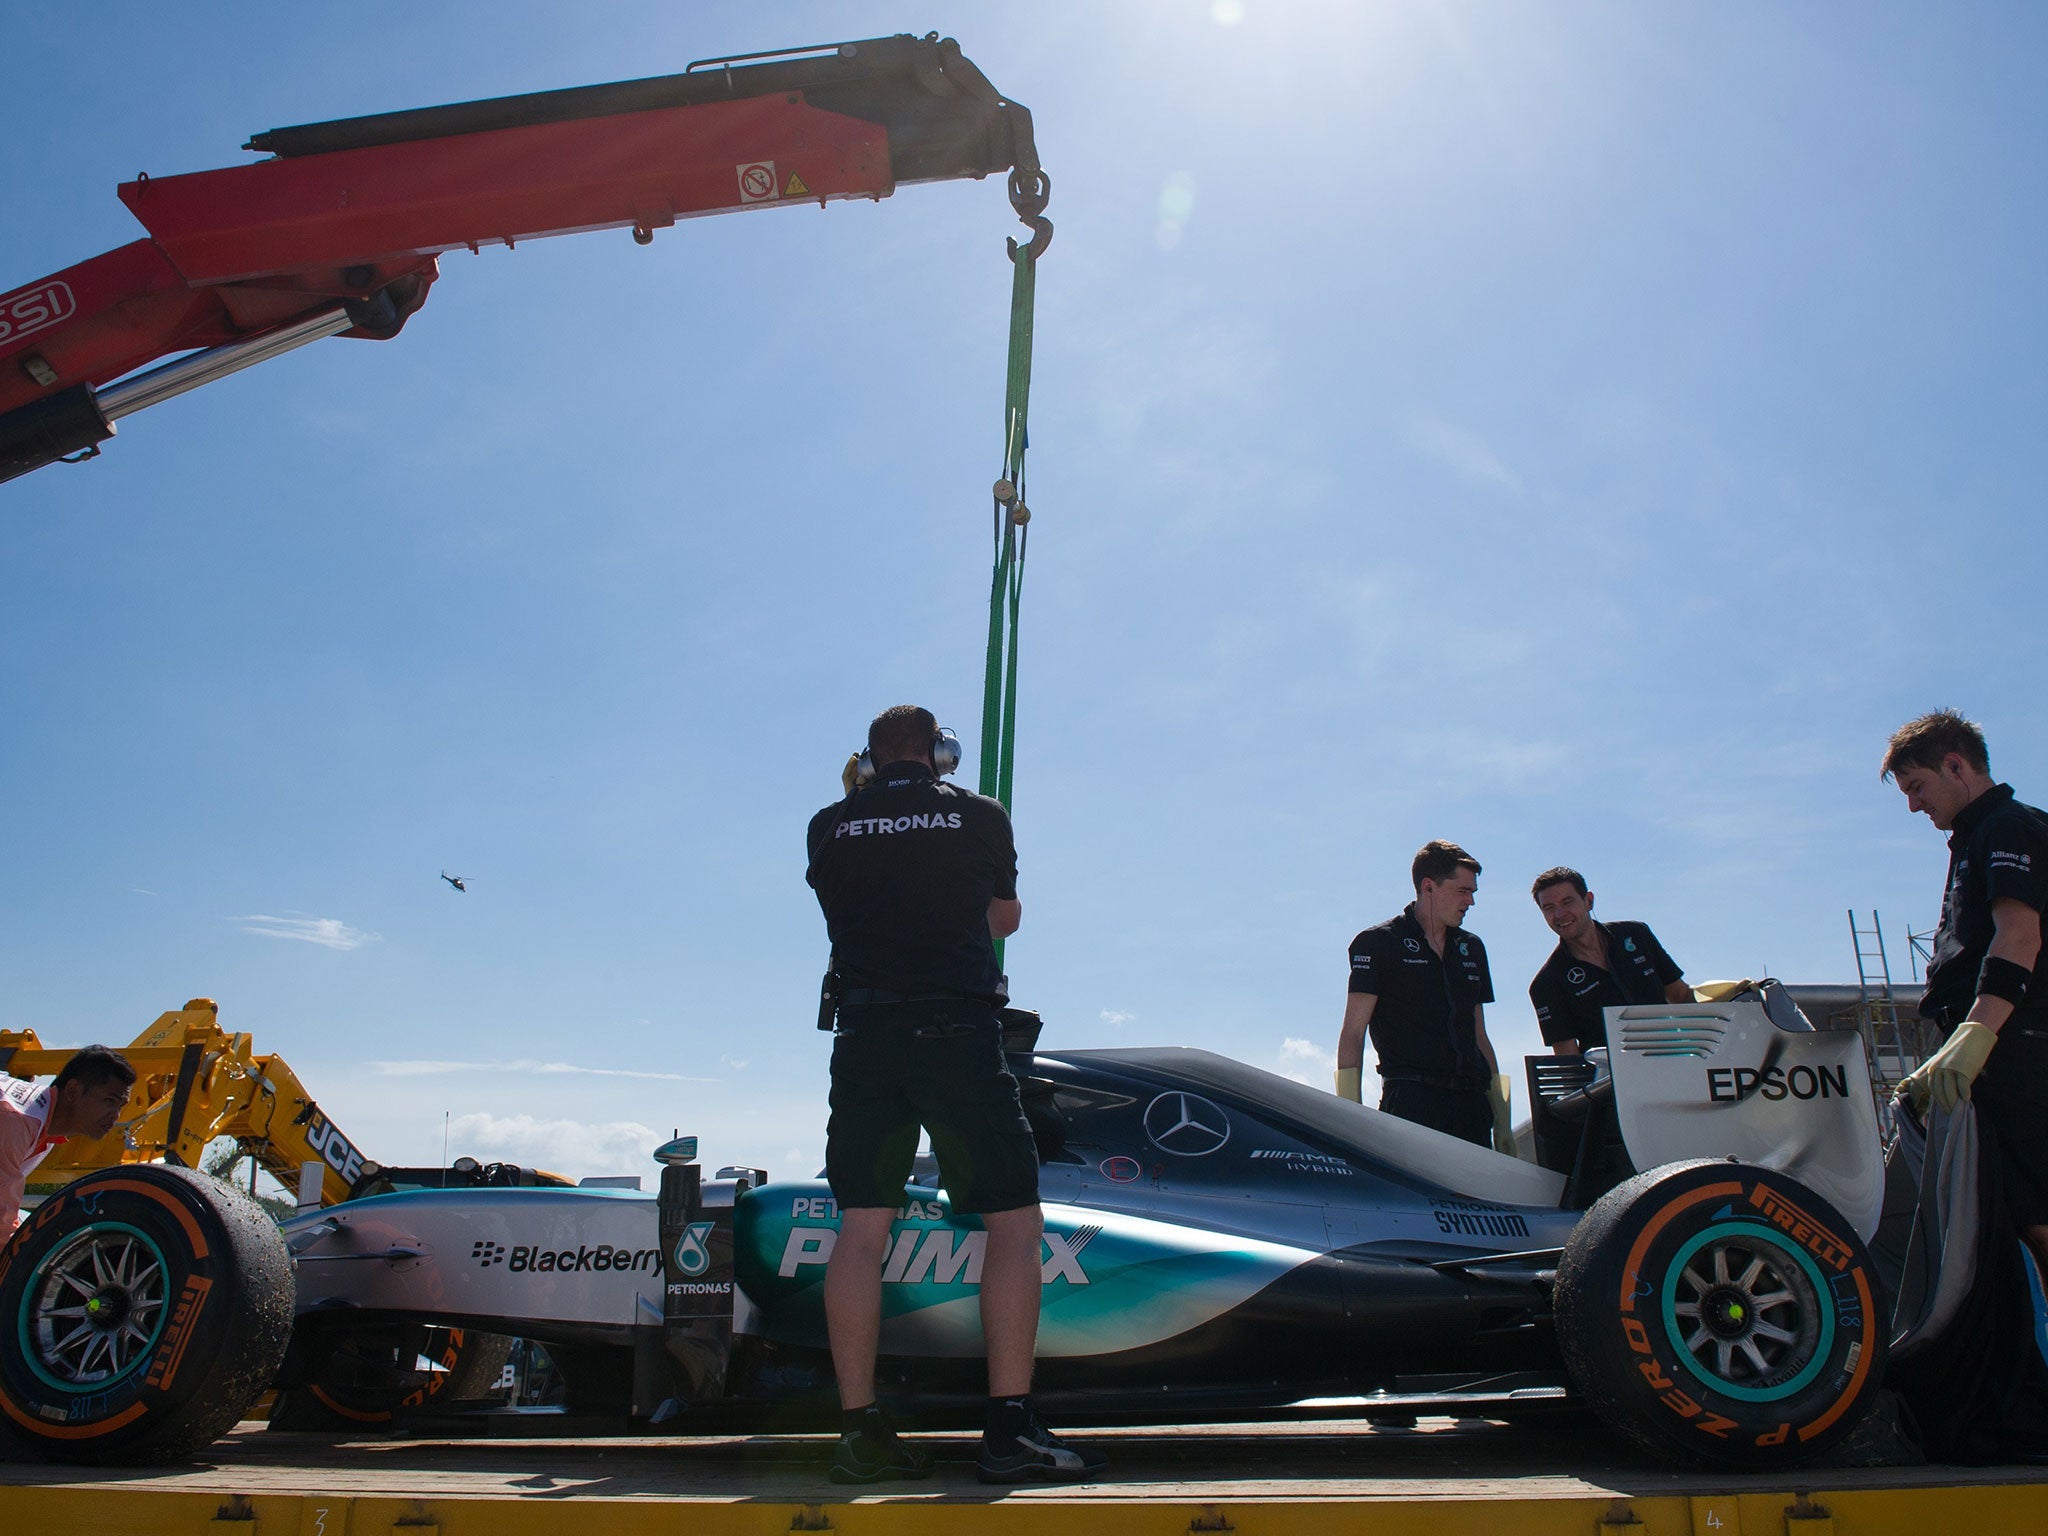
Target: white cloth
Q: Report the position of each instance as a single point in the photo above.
(24, 1142)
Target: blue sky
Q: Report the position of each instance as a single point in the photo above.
(1582, 431)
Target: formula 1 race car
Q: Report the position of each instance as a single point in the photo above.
(1221, 1243)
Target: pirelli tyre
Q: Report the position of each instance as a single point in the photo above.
(1722, 1314)
(379, 1377)
(143, 1310)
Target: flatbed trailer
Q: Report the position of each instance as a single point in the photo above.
(1444, 1476)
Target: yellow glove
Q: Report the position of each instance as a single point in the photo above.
(1720, 991)
(1503, 1117)
(1347, 1084)
(849, 775)
(1946, 1076)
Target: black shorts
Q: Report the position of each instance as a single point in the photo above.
(898, 1066)
(2012, 1098)
(1466, 1113)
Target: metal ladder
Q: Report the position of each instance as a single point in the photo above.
(1891, 1040)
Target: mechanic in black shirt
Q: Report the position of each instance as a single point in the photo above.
(1987, 983)
(1419, 986)
(917, 879)
(1595, 966)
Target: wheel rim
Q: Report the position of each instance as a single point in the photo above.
(94, 1308)
(1750, 1314)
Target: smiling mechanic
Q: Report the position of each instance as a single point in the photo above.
(1596, 966)
(1419, 987)
(85, 1100)
(1987, 985)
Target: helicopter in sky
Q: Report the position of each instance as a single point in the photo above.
(460, 882)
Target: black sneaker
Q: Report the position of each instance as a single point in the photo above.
(1037, 1455)
(865, 1457)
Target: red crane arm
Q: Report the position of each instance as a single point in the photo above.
(339, 232)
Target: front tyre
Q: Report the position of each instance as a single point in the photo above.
(1722, 1314)
(374, 1378)
(142, 1311)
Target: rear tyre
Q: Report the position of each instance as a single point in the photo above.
(143, 1310)
(1721, 1314)
(377, 1378)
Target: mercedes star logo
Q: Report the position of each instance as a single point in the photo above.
(1186, 1124)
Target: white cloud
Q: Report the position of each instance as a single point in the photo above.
(573, 1148)
(1462, 452)
(737, 1063)
(1306, 1062)
(1116, 1018)
(328, 932)
(425, 1068)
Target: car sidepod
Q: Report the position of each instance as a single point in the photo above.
(1112, 1282)
(586, 1259)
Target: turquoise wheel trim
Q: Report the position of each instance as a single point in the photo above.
(62, 1257)
(1765, 1236)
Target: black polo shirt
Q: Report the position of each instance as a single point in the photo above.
(904, 870)
(1422, 1026)
(1570, 994)
(1997, 848)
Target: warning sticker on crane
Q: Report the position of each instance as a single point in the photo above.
(757, 181)
(796, 187)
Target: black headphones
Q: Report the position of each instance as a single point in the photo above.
(945, 759)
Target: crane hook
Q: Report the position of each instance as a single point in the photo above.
(1029, 193)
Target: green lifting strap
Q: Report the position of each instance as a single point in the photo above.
(1012, 528)
(1012, 536)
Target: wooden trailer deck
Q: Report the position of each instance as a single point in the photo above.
(1443, 1477)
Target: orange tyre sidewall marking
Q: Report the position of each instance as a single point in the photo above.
(320, 1395)
(176, 1207)
(432, 1389)
(184, 1323)
(1657, 1224)
(48, 1431)
(42, 1214)
(1862, 1365)
(136, 1409)
(1664, 1217)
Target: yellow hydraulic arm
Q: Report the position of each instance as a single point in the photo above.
(196, 1082)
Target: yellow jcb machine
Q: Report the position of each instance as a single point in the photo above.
(194, 1083)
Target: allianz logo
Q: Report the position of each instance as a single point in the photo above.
(938, 1255)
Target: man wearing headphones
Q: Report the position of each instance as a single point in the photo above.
(917, 880)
